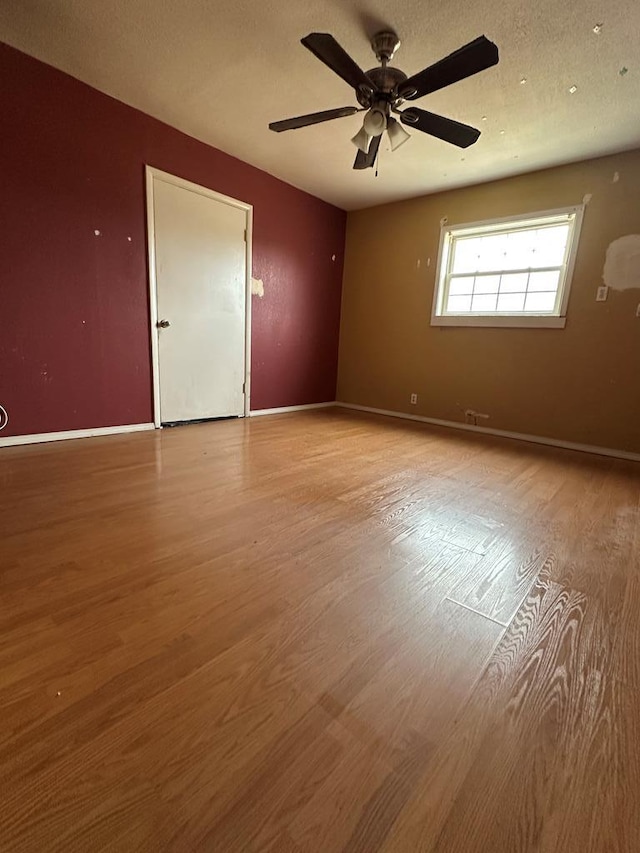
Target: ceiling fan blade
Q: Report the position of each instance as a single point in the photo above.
(311, 118)
(447, 129)
(366, 161)
(476, 56)
(327, 50)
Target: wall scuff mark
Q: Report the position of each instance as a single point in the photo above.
(257, 287)
(622, 263)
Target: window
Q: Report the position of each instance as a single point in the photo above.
(508, 272)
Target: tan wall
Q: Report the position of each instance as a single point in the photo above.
(580, 384)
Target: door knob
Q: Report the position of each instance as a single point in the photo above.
(163, 324)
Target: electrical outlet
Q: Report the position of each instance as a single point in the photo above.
(414, 399)
(602, 292)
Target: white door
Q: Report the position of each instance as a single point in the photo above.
(200, 277)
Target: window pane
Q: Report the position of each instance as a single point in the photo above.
(459, 303)
(544, 280)
(487, 284)
(511, 302)
(484, 303)
(520, 250)
(540, 302)
(465, 254)
(550, 245)
(458, 286)
(493, 252)
(514, 283)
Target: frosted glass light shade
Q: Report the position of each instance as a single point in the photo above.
(361, 140)
(397, 134)
(375, 122)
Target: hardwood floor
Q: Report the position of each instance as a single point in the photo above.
(318, 632)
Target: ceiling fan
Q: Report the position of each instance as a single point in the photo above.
(381, 91)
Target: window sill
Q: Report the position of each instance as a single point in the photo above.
(532, 321)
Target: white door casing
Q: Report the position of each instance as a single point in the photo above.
(199, 278)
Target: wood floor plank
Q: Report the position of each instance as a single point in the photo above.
(499, 584)
(340, 811)
(281, 784)
(517, 764)
(319, 632)
(627, 635)
(429, 677)
(540, 737)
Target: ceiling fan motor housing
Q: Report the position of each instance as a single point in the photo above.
(384, 80)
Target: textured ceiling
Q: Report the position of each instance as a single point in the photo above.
(221, 70)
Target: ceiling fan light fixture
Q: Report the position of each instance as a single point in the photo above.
(361, 140)
(375, 121)
(381, 91)
(397, 134)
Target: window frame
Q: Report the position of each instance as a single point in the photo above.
(449, 232)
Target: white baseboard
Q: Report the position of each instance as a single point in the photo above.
(37, 438)
(519, 436)
(283, 409)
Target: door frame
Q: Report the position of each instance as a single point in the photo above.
(151, 174)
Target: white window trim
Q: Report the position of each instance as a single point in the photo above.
(539, 321)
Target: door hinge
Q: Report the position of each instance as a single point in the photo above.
(245, 235)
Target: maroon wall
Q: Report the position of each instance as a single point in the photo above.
(74, 340)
